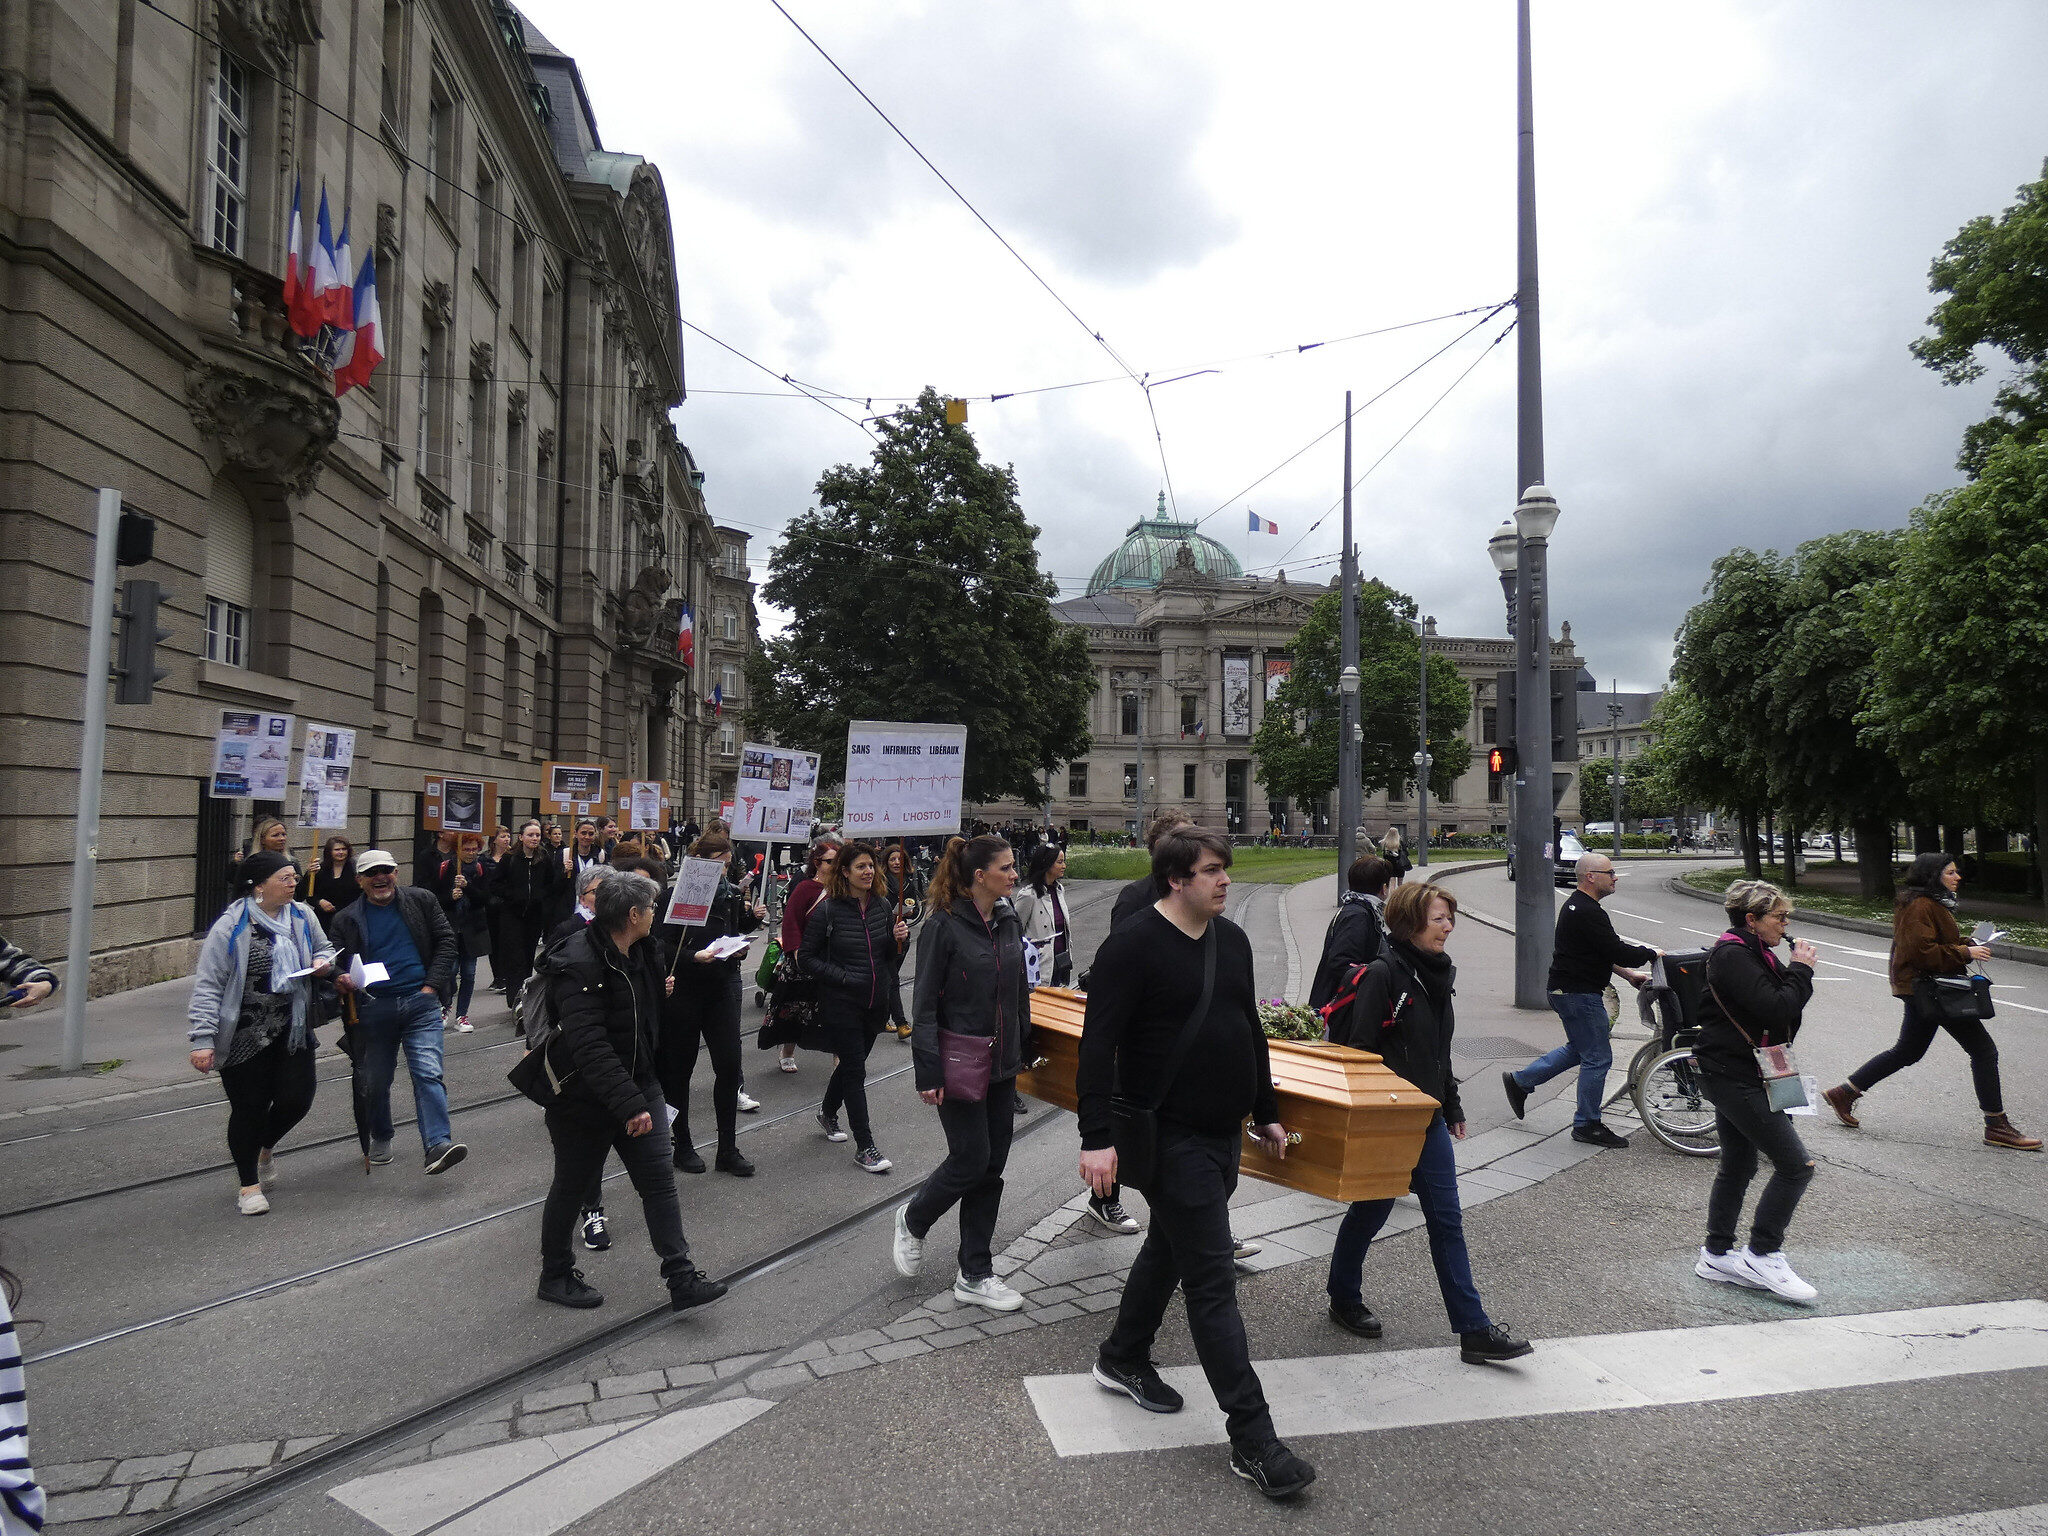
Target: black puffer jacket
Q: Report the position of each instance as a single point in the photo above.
(1355, 937)
(970, 980)
(1406, 1023)
(528, 888)
(1767, 996)
(851, 949)
(609, 1008)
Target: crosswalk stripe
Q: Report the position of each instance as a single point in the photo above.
(1367, 1391)
(2029, 1520)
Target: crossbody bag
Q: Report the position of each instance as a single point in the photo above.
(1134, 1123)
(1783, 1087)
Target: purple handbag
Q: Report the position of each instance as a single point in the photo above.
(967, 1060)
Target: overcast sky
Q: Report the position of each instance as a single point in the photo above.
(1738, 204)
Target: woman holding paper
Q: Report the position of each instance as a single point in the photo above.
(252, 1015)
(705, 1009)
(1928, 942)
(850, 947)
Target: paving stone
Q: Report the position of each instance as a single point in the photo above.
(193, 1489)
(1494, 1178)
(690, 1375)
(1488, 1146)
(72, 1476)
(94, 1504)
(1013, 1323)
(779, 1376)
(232, 1458)
(1101, 1301)
(503, 1412)
(817, 1349)
(1026, 1248)
(558, 1397)
(1005, 1265)
(911, 1327)
(943, 1302)
(1057, 1293)
(136, 1469)
(1312, 1242)
(902, 1349)
(737, 1365)
(727, 1394)
(151, 1497)
(611, 1409)
(1279, 1214)
(1063, 1266)
(834, 1365)
(305, 1443)
(1275, 1255)
(575, 1416)
(675, 1395)
(632, 1386)
(1090, 1284)
(867, 1338)
(410, 1456)
(952, 1336)
(470, 1436)
(1057, 1312)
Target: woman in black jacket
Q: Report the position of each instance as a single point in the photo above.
(705, 1006)
(461, 882)
(1403, 1012)
(334, 882)
(970, 982)
(528, 886)
(1752, 1001)
(905, 893)
(850, 941)
(606, 983)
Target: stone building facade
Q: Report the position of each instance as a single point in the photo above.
(476, 561)
(1187, 650)
(729, 634)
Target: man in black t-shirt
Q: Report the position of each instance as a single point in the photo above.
(1147, 991)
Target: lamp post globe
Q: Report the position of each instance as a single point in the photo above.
(1504, 549)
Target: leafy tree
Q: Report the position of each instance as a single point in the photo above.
(1718, 713)
(917, 595)
(1995, 273)
(1645, 787)
(1296, 744)
(1961, 640)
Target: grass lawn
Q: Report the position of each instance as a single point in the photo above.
(1263, 866)
(2019, 930)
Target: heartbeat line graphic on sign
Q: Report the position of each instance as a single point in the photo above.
(911, 779)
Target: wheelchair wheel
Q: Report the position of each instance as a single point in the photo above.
(1668, 1098)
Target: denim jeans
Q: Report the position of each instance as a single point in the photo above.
(1747, 1125)
(1435, 1183)
(1586, 1045)
(415, 1023)
(465, 971)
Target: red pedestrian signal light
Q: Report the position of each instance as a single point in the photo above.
(1500, 760)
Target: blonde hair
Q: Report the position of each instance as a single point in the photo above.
(1751, 898)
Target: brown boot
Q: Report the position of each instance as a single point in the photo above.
(1839, 1099)
(1999, 1132)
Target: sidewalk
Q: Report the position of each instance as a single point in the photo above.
(141, 1031)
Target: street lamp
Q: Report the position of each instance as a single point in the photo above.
(1503, 549)
(1347, 752)
(1614, 757)
(1423, 762)
(1535, 518)
(1422, 757)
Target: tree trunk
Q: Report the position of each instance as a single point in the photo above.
(1952, 839)
(1751, 864)
(2041, 822)
(1926, 837)
(1993, 840)
(1770, 838)
(1791, 852)
(1838, 845)
(1874, 860)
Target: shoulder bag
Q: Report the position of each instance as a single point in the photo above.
(1134, 1123)
(968, 1061)
(1784, 1088)
(1953, 999)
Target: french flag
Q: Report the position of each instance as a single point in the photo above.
(362, 349)
(717, 700)
(1260, 525)
(295, 274)
(686, 636)
(325, 276)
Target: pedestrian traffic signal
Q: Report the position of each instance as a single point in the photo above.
(1500, 761)
(134, 538)
(136, 671)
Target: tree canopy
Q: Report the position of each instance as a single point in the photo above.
(915, 594)
(1296, 744)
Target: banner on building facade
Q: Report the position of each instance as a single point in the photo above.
(572, 789)
(777, 792)
(252, 756)
(1237, 695)
(696, 886)
(1277, 668)
(450, 804)
(904, 780)
(325, 767)
(641, 804)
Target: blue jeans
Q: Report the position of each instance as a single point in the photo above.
(414, 1022)
(1586, 1045)
(466, 957)
(1435, 1183)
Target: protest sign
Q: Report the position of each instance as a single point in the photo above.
(904, 780)
(690, 903)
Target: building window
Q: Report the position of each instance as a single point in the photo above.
(380, 688)
(735, 562)
(550, 311)
(227, 160)
(227, 632)
(487, 223)
(1130, 781)
(729, 682)
(429, 672)
(440, 143)
(1077, 781)
(541, 704)
(1078, 824)
(728, 741)
(1187, 781)
(394, 63)
(1495, 794)
(480, 450)
(515, 713)
(729, 625)
(476, 668)
(1489, 722)
(1127, 715)
(1188, 705)
(230, 577)
(522, 276)
(515, 482)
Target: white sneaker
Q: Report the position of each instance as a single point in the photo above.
(1728, 1268)
(463, 1026)
(908, 1251)
(989, 1292)
(266, 1171)
(1775, 1276)
(250, 1202)
(748, 1103)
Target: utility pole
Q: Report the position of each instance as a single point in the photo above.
(1423, 761)
(92, 753)
(1535, 515)
(1347, 683)
(1614, 772)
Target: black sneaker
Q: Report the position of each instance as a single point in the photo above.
(1272, 1469)
(596, 1235)
(440, 1159)
(1597, 1135)
(1141, 1384)
(733, 1161)
(1355, 1317)
(687, 1159)
(1111, 1216)
(1518, 1096)
(829, 1124)
(693, 1289)
(569, 1291)
(1492, 1347)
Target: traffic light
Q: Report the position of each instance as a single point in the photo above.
(1564, 722)
(135, 670)
(135, 538)
(1501, 761)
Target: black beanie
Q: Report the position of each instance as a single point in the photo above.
(260, 866)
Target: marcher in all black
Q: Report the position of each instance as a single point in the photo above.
(1358, 930)
(705, 1008)
(1181, 973)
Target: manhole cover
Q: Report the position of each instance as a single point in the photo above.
(1493, 1048)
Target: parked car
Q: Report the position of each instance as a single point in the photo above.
(1562, 871)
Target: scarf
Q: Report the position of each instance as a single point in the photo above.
(1432, 972)
(289, 951)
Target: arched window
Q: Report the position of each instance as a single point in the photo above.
(543, 700)
(230, 577)
(476, 704)
(381, 684)
(515, 712)
(432, 699)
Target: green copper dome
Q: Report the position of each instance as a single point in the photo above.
(1150, 549)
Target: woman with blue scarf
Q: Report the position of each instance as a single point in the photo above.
(252, 1016)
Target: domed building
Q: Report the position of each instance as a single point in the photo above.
(1187, 649)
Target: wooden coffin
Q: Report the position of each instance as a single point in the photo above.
(1355, 1129)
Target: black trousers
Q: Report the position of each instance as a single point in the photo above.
(1189, 1244)
(1747, 1125)
(267, 1095)
(518, 938)
(1916, 1032)
(706, 1014)
(850, 1030)
(977, 1149)
(583, 1133)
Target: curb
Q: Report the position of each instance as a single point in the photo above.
(2026, 954)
